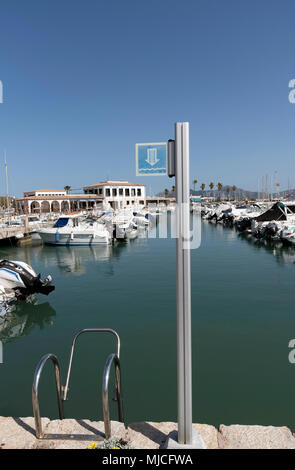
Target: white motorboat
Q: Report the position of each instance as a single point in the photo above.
(142, 219)
(121, 223)
(72, 229)
(18, 281)
(132, 232)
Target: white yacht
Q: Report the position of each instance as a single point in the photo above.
(73, 229)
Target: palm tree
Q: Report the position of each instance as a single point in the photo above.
(67, 189)
(234, 188)
(173, 189)
(228, 191)
(166, 192)
(203, 186)
(194, 183)
(211, 186)
(219, 186)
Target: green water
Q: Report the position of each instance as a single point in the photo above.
(242, 321)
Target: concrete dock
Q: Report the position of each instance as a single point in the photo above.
(15, 232)
(19, 433)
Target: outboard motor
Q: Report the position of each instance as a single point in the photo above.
(272, 231)
(259, 232)
(244, 224)
(21, 278)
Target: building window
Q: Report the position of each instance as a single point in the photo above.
(133, 192)
(100, 191)
(114, 191)
(127, 203)
(108, 192)
(138, 192)
(127, 192)
(120, 191)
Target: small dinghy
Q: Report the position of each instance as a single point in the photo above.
(18, 280)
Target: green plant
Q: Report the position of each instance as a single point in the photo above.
(113, 443)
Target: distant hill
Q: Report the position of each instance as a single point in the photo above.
(239, 193)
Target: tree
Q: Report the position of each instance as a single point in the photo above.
(234, 188)
(194, 183)
(219, 186)
(228, 191)
(173, 189)
(203, 186)
(166, 192)
(211, 186)
(67, 189)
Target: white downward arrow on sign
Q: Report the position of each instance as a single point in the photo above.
(152, 156)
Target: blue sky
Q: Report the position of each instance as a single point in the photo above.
(85, 80)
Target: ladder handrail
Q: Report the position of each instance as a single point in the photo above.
(87, 330)
(35, 400)
(113, 358)
(62, 391)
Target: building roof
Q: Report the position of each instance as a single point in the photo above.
(65, 197)
(113, 183)
(45, 190)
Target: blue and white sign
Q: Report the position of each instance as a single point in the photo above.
(151, 159)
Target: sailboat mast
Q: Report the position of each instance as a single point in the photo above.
(6, 181)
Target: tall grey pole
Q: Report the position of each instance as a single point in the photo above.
(183, 282)
(6, 181)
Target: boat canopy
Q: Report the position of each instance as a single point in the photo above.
(61, 222)
(276, 212)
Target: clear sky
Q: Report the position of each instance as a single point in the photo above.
(85, 80)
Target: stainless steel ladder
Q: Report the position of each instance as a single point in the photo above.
(62, 391)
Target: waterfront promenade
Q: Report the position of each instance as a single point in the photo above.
(19, 433)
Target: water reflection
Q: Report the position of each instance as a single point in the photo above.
(69, 259)
(22, 318)
(72, 260)
(283, 254)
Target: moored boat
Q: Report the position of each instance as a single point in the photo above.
(72, 229)
(19, 281)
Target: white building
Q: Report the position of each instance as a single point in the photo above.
(45, 192)
(55, 200)
(118, 194)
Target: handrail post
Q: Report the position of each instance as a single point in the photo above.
(35, 399)
(105, 393)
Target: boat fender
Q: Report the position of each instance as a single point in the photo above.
(72, 236)
(57, 236)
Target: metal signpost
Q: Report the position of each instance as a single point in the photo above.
(183, 284)
(178, 165)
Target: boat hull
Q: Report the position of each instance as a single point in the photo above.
(76, 239)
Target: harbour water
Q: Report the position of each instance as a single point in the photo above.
(242, 321)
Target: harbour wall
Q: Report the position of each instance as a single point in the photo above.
(19, 433)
